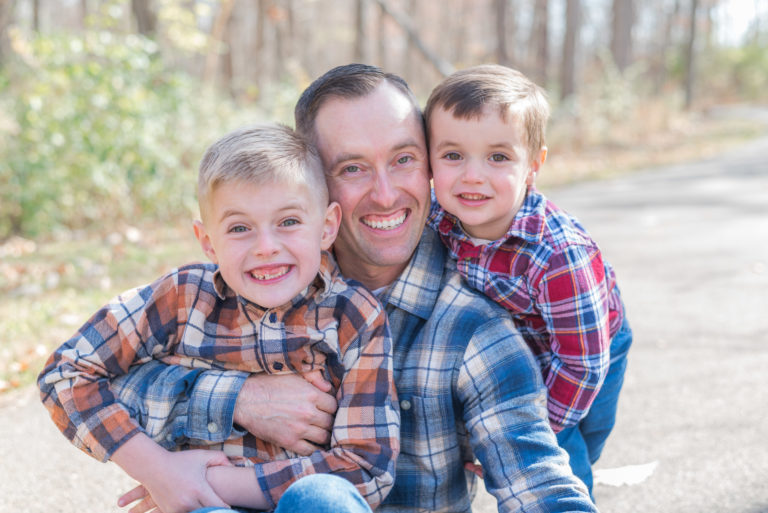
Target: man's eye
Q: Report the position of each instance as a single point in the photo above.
(452, 155)
(289, 222)
(351, 169)
(238, 229)
(499, 157)
(404, 159)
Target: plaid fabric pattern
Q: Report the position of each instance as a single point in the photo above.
(469, 388)
(551, 276)
(191, 320)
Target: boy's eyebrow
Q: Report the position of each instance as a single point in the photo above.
(499, 145)
(235, 212)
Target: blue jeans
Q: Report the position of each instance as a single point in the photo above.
(584, 442)
(317, 493)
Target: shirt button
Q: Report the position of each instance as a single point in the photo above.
(405, 404)
(277, 366)
(273, 317)
(213, 427)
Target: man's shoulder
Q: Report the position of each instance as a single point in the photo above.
(461, 307)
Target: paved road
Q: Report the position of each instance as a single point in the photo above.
(690, 246)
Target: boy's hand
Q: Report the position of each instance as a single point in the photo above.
(287, 410)
(177, 484)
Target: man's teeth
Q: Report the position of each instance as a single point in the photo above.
(271, 275)
(473, 196)
(386, 225)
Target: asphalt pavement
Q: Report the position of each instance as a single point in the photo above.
(690, 247)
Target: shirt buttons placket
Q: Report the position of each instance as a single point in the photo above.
(405, 405)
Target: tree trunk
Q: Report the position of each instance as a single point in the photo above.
(690, 55)
(502, 55)
(359, 50)
(443, 67)
(220, 24)
(83, 13)
(570, 41)
(621, 33)
(36, 15)
(381, 46)
(146, 19)
(539, 41)
(5, 20)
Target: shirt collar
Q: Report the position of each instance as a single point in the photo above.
(417, 288)
(527, 225)
(319, 288)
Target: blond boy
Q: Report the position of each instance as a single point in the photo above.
(272, 301)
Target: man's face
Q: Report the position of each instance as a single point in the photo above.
(374, 153)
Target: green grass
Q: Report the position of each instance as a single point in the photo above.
(50, 288)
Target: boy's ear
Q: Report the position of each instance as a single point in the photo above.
(205, 241)
(330, 225)
(536, 166)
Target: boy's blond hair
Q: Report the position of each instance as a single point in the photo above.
(467, 92)
(261, 154)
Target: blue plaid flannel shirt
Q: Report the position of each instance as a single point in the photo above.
(469, 389)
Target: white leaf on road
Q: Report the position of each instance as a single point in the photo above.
(627, 475)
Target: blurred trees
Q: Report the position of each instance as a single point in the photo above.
(105, 106)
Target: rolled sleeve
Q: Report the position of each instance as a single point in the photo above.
(211, 407)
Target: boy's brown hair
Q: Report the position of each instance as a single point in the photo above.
(261, 154)
(467, 92)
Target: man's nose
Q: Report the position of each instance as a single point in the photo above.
(384, 191)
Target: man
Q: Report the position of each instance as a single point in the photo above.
(468, 386)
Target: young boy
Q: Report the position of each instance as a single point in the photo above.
(486, 144)
(272, 301)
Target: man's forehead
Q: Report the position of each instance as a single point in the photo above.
(385, 114)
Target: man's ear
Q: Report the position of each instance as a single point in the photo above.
(205, 241)
(330, 225)
(536, 166)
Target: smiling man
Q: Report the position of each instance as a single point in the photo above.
(469, 388)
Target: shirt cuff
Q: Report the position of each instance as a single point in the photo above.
(211, 411)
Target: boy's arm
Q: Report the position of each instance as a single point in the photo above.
(75, 383)
(504, 404)
(572, 296)
(176, 481)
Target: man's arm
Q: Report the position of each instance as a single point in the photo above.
(175, 405)
(505, 413)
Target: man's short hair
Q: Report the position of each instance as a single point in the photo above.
(261, 154)
(349, 81)
(467, 92)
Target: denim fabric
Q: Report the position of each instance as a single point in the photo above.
(318, 493)
(584, 442)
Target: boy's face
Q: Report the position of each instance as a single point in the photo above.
(266, 238)
(481, 169)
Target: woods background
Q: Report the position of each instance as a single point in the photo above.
(106, 107)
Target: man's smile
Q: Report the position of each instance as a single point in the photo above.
(389, 222)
